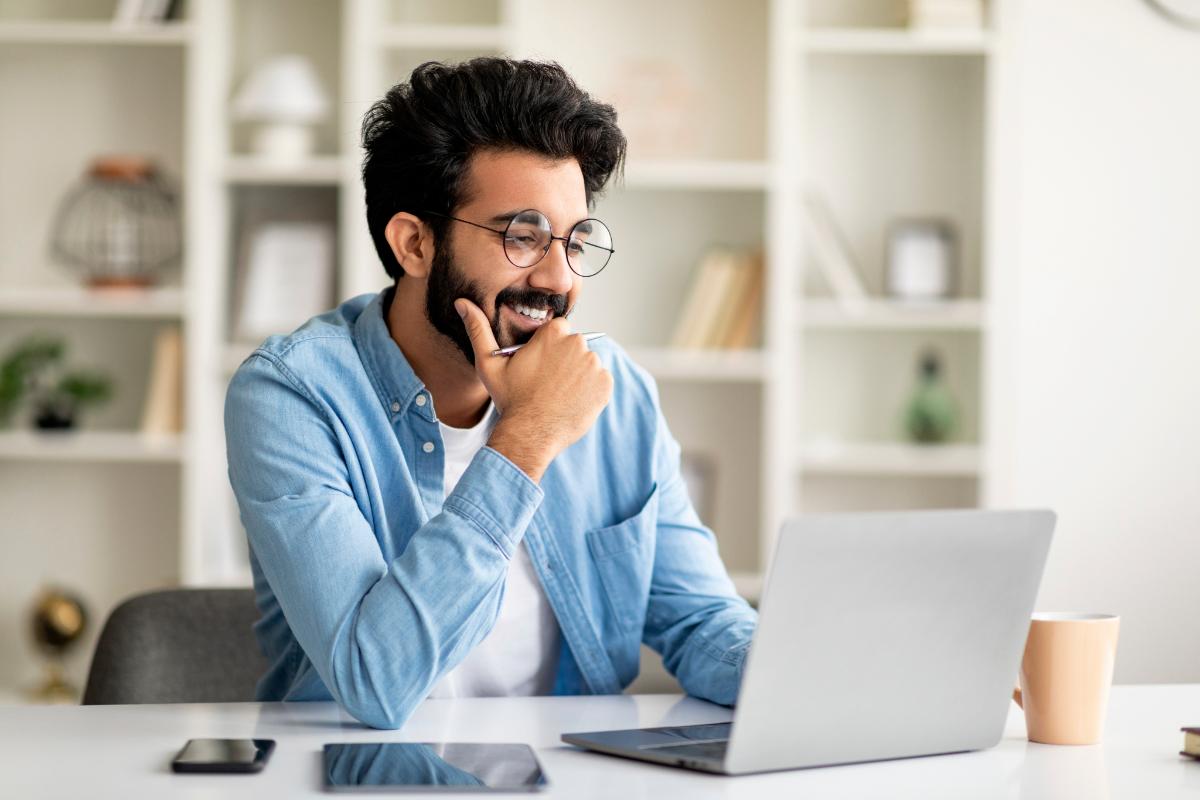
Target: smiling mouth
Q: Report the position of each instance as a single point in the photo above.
(528, 317)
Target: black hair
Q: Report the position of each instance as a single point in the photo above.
(420, 137)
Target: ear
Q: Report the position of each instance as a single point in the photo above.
(412, 243)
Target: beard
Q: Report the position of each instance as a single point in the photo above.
(447, 283)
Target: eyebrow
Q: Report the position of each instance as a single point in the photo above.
(506, 217)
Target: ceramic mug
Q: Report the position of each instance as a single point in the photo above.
(1065, 676)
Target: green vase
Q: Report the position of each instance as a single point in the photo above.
(932, 414)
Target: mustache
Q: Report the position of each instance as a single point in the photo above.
(556, 303)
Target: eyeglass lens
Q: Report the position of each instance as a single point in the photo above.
(528, 237)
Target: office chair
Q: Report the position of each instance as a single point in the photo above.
(178, 646)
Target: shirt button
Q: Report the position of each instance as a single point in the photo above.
(427, 447)
(395, 407)
(420, 399)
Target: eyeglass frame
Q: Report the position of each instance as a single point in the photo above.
(503, 234)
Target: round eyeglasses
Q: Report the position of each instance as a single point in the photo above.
(527, 238)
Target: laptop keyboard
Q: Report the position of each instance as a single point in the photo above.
(689, 734)
(692, 741)
(714, 751)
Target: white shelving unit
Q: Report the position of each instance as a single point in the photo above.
(76, 301)
(768, 97)
(105, 447)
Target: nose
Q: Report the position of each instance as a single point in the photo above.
(553, 274)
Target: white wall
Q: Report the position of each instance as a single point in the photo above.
(1101, 417)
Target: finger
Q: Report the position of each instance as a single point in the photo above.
(557, 328)
(478, 329)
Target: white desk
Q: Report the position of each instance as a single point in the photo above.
(124, 751)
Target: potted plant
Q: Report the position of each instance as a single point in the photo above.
(57, 406)
(33, 371)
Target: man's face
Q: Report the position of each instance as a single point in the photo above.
(471, 263)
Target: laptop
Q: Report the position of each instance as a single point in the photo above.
(881, 635)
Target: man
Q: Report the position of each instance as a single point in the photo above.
(426, 518)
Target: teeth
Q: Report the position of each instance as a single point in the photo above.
(532, 313)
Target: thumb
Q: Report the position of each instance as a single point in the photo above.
(478, 330)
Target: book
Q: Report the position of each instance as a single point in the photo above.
(695, 319)
(724, 301)
(730, 300)
(1191, 742)
(162, 411)
(832, 255)
(746, 321)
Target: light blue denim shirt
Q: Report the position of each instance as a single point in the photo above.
(373, 583)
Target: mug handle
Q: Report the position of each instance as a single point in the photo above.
(1017, 697)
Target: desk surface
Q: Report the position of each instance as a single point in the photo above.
(124, 751)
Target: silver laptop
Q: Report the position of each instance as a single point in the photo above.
(881, 635)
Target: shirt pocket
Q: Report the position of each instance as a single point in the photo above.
(623, 555)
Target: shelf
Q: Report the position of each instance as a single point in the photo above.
(79, 301)
(429, 37)
(950, 315)
(315, 171)
(891, 458)
(700, 174)
(738, 366)
(86, 446)
(899, 41)
(99, 32)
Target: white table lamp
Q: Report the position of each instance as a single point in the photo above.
(285, 98)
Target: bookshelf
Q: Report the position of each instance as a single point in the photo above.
(768, 97)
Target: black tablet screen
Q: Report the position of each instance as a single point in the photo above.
(427, 766)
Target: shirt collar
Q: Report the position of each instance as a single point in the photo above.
(389, 370)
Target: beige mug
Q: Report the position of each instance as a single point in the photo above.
(1065, 676)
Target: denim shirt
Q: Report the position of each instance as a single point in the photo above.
(372, 582)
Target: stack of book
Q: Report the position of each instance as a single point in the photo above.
(724, 303)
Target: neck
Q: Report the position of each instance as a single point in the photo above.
(458, 395)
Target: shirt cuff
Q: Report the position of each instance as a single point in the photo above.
(497, 497)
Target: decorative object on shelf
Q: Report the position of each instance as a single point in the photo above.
(33, 370)
(658, 107)
(932, 414)
(120, 226)
(940, 14)
(922, 259)
(286, 277)
(134, 12)
(1184, 13)
(724, 302)
(699, 471)
(162, 411)
(57, 621)
(18, 370)
(283, 96)
(832, 254)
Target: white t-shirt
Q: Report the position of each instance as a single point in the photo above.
(520, 654)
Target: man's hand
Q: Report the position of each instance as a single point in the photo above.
(549, 392)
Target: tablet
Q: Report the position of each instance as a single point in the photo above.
(428, 766)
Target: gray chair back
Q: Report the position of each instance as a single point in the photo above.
(178, 646)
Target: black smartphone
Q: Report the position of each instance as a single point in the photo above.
(223, 755)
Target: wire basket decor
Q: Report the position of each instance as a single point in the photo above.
(120, 225)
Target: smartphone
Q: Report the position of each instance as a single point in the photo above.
(223, 755)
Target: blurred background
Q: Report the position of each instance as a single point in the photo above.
(877, 253)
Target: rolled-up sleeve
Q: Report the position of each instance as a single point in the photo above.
(379, 634)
